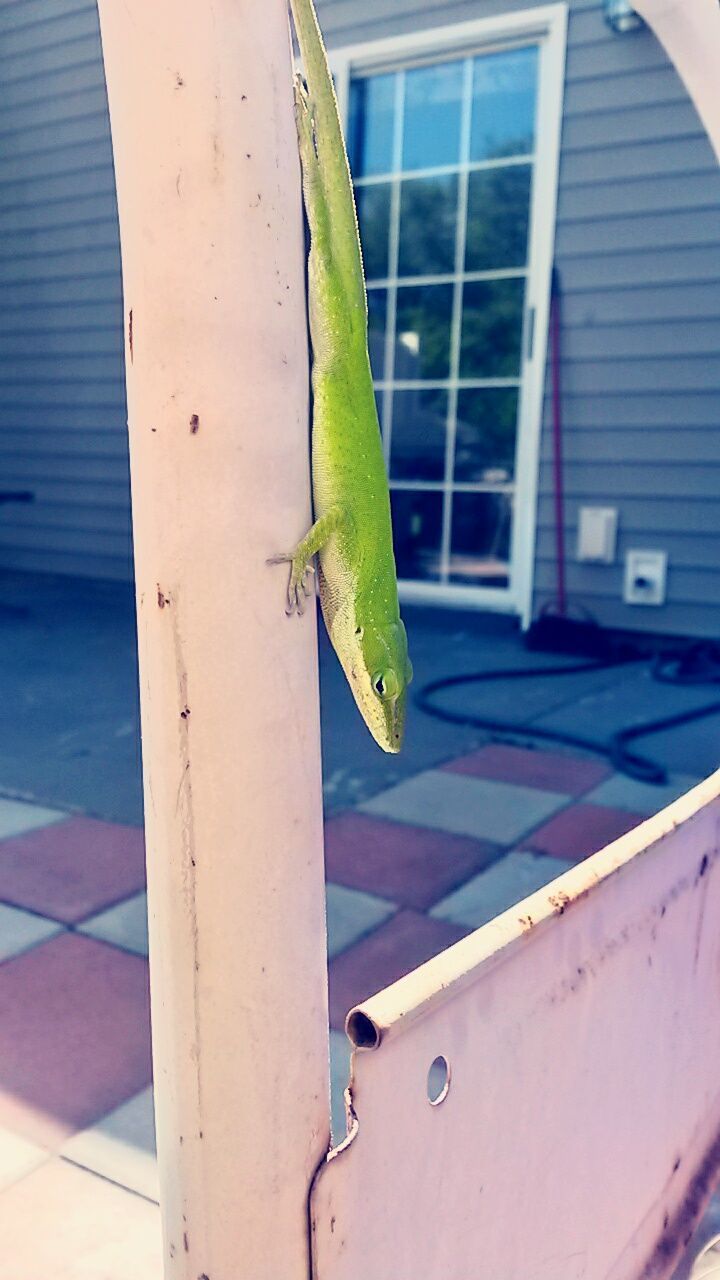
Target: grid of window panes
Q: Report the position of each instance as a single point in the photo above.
(442, 159)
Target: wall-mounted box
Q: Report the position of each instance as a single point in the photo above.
(597, 534)
(645, 577)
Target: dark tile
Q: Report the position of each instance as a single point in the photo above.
(412, 866)
(581, 830)
(74, 1036)
(70, 870)
(548, 770)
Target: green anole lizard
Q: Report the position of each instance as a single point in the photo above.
(351, 534)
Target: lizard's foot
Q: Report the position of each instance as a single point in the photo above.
(298, 585)
(304, 118)
(302, 98)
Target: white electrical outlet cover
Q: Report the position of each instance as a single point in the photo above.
(645, 577)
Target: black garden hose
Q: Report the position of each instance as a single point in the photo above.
(698, 664)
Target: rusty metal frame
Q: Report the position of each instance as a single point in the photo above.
(580, 1134)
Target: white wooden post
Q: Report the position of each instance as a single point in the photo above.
(216, 354)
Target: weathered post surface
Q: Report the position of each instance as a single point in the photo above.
(216, 354)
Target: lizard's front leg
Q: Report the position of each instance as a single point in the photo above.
(299, 559)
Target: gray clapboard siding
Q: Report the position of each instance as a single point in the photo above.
(667, 482)
(653, 303)
(57, 58)
(620, 411)
(585, 96)
(91, 126)
(614, 444)
(72, 563)
(28, 268)
(74, 78)
(50, 188)
(29, 467)
(94, 340)
(73, 492)
(61, 330)
(681, 548)
(53, 416)
(688, 586)
(651, 377)
(642, 124)
(630, 340)
(63, 158)
(88, 518)
(81, 441)
(29, 31)
(631, 160)
(101, 314)
(663, 231)
(649, 518)
(586, 202)
(32, 539)
(627, 270)
(87, 287)
(32, 118)
(75, 211)
(27, 15)
(60, 243)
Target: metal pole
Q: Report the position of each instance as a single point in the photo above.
(216, 356)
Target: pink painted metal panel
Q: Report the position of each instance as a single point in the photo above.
(580, 1133)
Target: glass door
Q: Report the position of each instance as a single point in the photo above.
(443, 157)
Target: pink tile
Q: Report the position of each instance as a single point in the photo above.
(581, 830)
(406, 941)
(547, 770)
(74, 1036)
(412, 866)
(72, 869)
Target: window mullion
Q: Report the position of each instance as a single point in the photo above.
(456, 320)
(441, 170)
(393, 257)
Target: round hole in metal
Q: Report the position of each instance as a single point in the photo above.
(438, 1080)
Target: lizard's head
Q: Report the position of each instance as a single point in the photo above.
(379, 671)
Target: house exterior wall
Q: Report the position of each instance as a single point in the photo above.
(638, 252)
(637, 248)
(63, 427)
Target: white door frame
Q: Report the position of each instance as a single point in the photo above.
(548, 25)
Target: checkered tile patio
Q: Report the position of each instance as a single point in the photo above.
(409, 872)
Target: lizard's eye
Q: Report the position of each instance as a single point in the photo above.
(386, 684)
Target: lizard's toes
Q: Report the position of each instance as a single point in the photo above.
(295, 590)
(302, 100)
